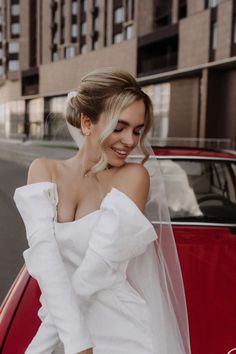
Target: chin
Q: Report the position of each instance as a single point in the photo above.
(115, 161)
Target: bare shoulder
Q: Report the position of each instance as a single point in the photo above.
(40, 170)
(133, 179)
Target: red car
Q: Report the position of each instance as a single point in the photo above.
(201, 194)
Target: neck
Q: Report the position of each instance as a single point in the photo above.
(85, 159)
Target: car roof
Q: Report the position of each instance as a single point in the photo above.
(193, 152)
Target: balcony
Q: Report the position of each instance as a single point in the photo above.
(158, 64)
(158, 51)
(30, 81)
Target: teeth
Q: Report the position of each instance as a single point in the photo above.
(120, 152)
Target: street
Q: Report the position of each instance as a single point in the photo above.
(12, 232)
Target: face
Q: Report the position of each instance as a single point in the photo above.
(126, 135)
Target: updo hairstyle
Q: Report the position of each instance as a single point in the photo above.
(109, 90)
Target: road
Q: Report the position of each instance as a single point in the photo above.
(12, 231)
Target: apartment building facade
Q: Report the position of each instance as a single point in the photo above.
(181, 51)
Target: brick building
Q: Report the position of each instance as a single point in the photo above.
(181, 51)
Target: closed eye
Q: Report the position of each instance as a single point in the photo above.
(120, 130)
(137, 133)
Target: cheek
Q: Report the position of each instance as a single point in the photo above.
(111, 140)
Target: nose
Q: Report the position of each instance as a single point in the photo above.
(128, 139)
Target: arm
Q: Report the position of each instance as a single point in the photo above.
(44, 263)
(134, 180)
(39, 171)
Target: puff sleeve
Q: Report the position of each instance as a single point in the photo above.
(122, 232)
(37, 206)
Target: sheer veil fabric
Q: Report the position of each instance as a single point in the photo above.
(156, 274)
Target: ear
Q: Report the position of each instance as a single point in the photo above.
(86, 124)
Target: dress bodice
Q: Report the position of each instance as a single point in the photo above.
(73, 241)
(73, 236)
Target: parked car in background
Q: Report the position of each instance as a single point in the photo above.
(201, 194)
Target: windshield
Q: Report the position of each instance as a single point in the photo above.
(201, 190)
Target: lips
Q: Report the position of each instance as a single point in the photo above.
(120, 153)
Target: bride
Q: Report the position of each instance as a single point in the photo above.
(106, 287)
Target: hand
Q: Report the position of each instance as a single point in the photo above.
(87, 351)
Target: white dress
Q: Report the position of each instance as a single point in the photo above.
(80, 267)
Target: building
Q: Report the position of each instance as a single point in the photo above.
(181, 51)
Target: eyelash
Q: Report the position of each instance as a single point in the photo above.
(120, 130)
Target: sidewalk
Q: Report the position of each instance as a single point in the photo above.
(25, 152)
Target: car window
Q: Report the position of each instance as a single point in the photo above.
(203, 190)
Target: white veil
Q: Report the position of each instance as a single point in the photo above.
(156, 274)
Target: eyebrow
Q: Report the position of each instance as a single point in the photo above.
(127, 124)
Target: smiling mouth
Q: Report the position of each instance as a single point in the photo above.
(120, 153)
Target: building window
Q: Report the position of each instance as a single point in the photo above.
(54, 39)
(1, 70)
(63, 9)
(84, 5)
(74, 8)
(234, 30)
(13, 65)
(95, 45)
(55, 36)
(211, 3)
(83, 49)
(69, 52)
(160, 95)
(15, 28)
(119, 15)
(13, 47)
(62, 34)
(15, 10)
(83, 28)
(129, 10)
(0, 36)
(1, 53)
(96, 23)
(105, 23)
(117, 38)
(74, 30)
(62, 26)
(182, 12)
(54, 56)
(214, 35)
(129, 32)
(213, 41)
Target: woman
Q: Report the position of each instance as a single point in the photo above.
(89, 239)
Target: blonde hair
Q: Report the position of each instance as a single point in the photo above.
(109, 90)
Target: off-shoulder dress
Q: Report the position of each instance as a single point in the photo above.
(87, 300)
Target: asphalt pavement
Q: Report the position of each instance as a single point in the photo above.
(12, 231)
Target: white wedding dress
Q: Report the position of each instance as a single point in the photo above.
(81, 267)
